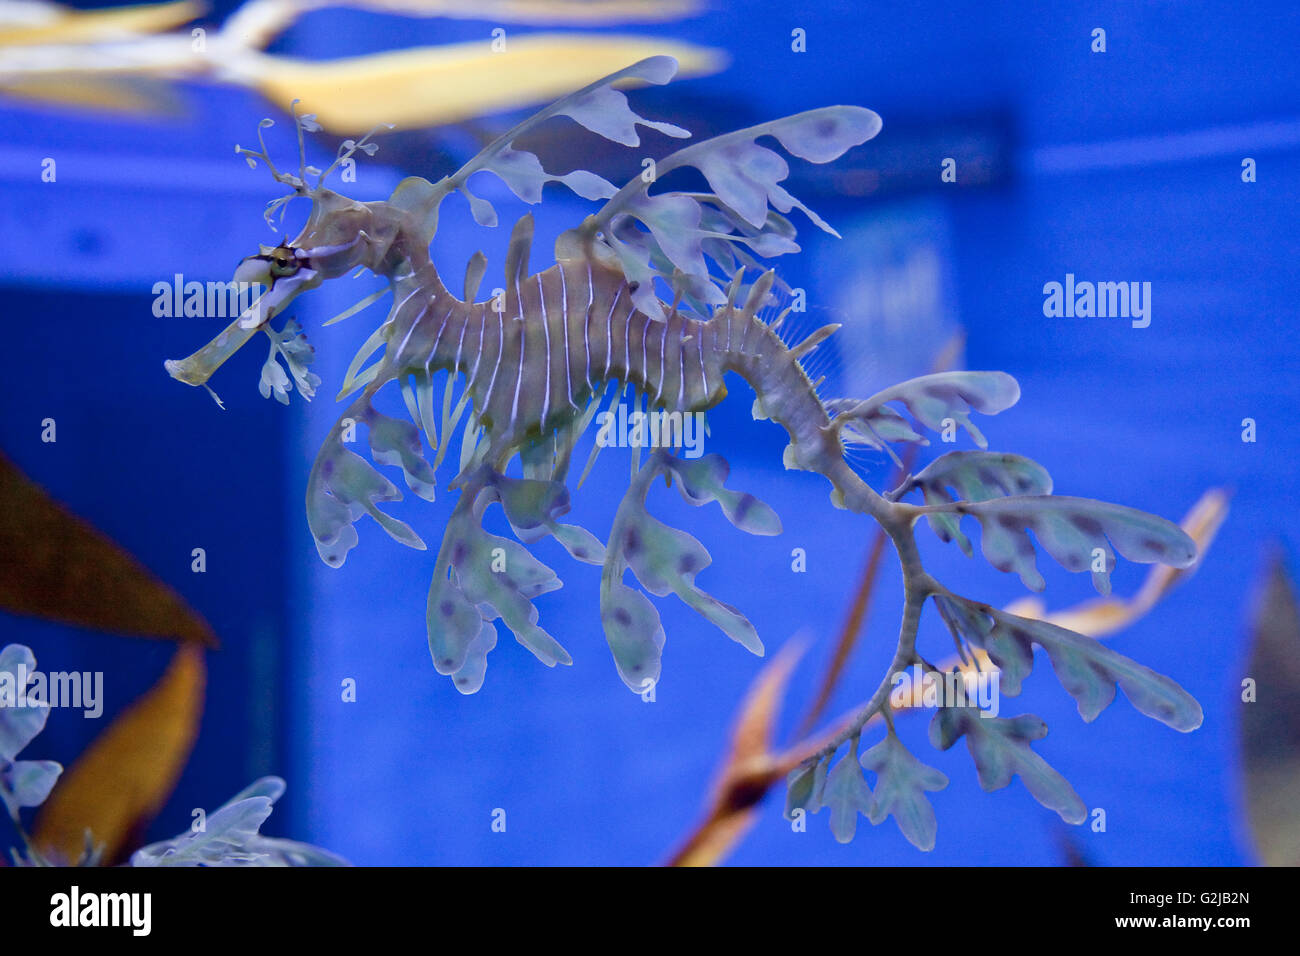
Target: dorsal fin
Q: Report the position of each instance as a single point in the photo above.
(814, 340)
(758, 292)
(474, 275)
(521, 242)
(734, 288)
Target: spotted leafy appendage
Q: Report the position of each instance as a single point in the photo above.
(1001, 750)
(702, 480)
(665, 561)
(1076, 532)
(342, 487)
(481, 577)
(972, 476)
(929, 399)
(901, 785)
(533, 507)
(1089, 670)
(676, 235)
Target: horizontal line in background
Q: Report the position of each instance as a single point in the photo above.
(160, 173)
(1242, 141)
(164, 173)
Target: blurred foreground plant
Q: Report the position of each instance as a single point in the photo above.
(229, 837)
(96, 811)
(128, 59)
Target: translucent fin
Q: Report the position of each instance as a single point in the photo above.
(351, 382)
(744, 213)
(424, 405)
(596, 446)
(449, 419)
(474, 276)
(599, 107)
(359, 306)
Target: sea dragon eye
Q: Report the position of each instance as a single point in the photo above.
(283, 263)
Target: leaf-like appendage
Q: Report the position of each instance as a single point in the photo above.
(298, 353)
(799, 789)
(226, 840)
(23, 783)
(634, 633)
(673, 234)
(1087, 669)
(230, 837)
(701, 480)
(1008, 648)
(397, 443)
(26, 783)
(480, 577)
(599, 107)
(665, 560)
(522, 171)
(19, 725)
(846, 794)
(532, 506)
(274, 379)
(1001, 750)
(805, 786)
(1077, 532)
(974, 476)
(929, 399)
(604, 110)
(454, 623)
(341, 488)
(469, 678)
(901, 784)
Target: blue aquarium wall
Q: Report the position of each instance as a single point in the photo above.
(1116, 166)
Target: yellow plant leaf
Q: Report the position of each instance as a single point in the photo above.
(535, 11)
(430, 86)
(125, 776)
(128, 773)
(67, 571)
(65, 25)
(749, 769)
(134, 94)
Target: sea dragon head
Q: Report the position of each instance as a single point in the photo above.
(339, 236)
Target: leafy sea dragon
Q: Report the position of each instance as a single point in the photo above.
(533, 366)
